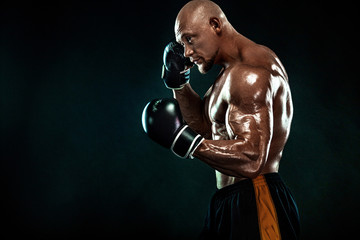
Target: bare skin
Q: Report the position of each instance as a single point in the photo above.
(246, 114)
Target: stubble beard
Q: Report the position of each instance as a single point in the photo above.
(207, 65)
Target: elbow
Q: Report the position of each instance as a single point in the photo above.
(256, 168)
(252, 169)
(255, 161)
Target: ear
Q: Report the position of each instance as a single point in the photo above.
(216, 24)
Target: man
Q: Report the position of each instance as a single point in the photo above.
(244, 122)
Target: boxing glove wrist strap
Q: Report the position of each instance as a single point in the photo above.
(185, 142)
(195, 147)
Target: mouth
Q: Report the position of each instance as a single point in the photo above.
(196, 60)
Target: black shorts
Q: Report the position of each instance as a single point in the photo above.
(260, 208)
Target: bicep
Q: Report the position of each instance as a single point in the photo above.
(249, 114)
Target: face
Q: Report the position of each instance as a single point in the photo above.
(199, 41)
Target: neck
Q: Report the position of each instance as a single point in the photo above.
(230, 49)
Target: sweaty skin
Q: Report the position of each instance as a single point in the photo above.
(246, 114)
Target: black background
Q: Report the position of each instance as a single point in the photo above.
(75, 77)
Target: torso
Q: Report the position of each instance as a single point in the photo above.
(218, 97)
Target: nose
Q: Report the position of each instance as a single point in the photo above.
(188, 51)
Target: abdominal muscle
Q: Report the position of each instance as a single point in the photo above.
(223, 180)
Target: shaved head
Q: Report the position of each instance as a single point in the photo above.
(206, 7)
(198, 12)
(199, 27)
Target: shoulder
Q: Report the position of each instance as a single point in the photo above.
(248, 83)
(249, 75)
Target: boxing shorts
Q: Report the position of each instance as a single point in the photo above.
(262, 208)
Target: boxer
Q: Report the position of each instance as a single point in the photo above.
(239, 127)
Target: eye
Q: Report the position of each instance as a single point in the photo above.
(188, 39)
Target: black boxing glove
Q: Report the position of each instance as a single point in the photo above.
(164, 124)
(173, 71)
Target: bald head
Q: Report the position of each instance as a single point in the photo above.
(198, 12)
(204, 8)
(201, 27)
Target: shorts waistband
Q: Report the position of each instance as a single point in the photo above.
(247, 184)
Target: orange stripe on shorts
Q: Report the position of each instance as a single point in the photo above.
(267, 217)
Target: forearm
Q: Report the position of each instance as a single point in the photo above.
(231, 157)
(192, 109)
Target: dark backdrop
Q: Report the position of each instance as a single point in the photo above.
(75, 77)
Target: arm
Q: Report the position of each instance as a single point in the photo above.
(192, 108)
(176, 76)
(249, 125)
